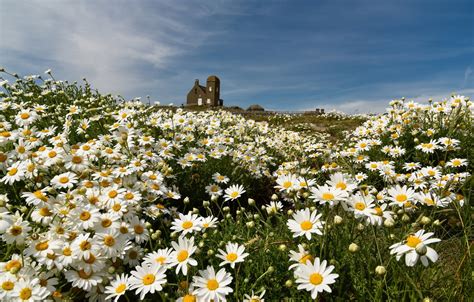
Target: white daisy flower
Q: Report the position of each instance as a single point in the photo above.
(416, 247)
(117, 287)
(210, 286)
(233, 192)
(147, 279)
(315, 277)
(187, 224)
(234, 253)
(305, 223)
(181, 255)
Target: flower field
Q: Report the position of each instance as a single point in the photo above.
(106, 199)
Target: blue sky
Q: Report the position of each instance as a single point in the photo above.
(353, 56)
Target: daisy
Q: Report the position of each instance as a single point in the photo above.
(254, 298)
(64, 180)
(328, 194)
(400, 195)
(29, 290)
(416, 247)
(210, 286)
(161, 257)
(305, 223)
(428, 147)
(81, 279)
(342, 182)
(181, 255)
(287, 183)
(187, 224)
(300, 257)
(209, 222)
(139, 230)
(233, 192)
(315, 277)
(14, 173)
(17, 230)
(147, 279)
(234, 253)
(117, 287)
(361, 205)
(457, 162)
(7, 285)
(274, 207)
(213, 190)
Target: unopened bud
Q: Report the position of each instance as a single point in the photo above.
(274, 197)
(353, 248)
(421, 249)
(337, 219)
(289, 283)
(251, 202)
(380, 270)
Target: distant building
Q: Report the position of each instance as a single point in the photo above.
(255, 107)
(205, 96)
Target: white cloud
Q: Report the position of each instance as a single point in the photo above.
(107, 42)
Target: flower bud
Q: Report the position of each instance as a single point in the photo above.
(290, 212)
(353, 248)
(389, 222)
(282, 247)
(214, 198)
(256, 216)
(226, 209)
(270, 269)
(360, 227)
(337, 220)
(206, 204)
(251, 202)
(380, 270)
(405, 218)
(228, 216)
(274, 197)
(111, 270)
(421, 249)
(186, 200)
(289, 283)
(437, 222)
(250, 224)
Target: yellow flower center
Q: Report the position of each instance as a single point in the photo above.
(25, 293)
(106, 223)
(187, 224)
(83, 274)
(13, 264)
(120, 289)
(212, 284)
(109, 240)
(12, 171)
(129, 196)
(359, 206)
(378, 211)
(116, 207)
(341, 185)
(67, 251)
(160, 259)
(64, 179)
(148, 279)
(7, 285)
(306, 258)
(85, 216)
(234, 194)
(412, 241)
(42, 246)
(231, 257)
(316, 279)
(306, 225)
(401, 198)
(16, 230)
(328, 196)
(138, 229)
(189, 298)
(287, 184)
(85, 245)
(113, 194)
(182, 255)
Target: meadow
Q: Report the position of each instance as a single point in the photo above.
(107, 199)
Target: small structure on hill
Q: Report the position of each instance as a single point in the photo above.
(255, 107)
(205, 96)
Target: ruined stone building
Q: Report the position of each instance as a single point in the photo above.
(208, 95)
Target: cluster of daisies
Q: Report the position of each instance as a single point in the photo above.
(92, 202)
